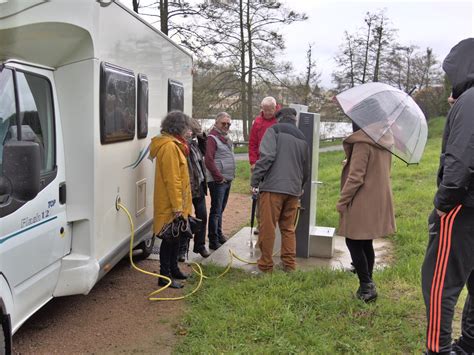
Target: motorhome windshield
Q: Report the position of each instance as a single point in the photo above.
(7, 107)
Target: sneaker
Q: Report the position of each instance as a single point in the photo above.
(256, 271)
(284, 268)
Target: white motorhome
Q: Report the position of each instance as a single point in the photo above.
(83, 87)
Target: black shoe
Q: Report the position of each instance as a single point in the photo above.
(223, 239)
(203, 251)
(215, 246)
(367, 292)
(182, 256)
(256, 231)
(174, 284)
(178, 275)
(460, 347)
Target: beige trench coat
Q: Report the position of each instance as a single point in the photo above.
(366, 202)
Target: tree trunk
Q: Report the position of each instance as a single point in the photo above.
(367, 44)
(164, 16)
(378, 53)
(307, 88)
(135, 4)
(243, 87)
(250, 71)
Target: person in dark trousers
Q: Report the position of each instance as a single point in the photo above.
(197, 176)
(449, 258)
(220, 171)
(365, 204)
(172, 195)
(279, 175)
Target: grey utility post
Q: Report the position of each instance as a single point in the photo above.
(308, 123)
(310, 239)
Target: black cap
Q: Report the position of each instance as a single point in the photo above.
(286, 113)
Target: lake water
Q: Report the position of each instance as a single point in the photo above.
(327, 129)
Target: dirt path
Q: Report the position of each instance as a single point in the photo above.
(116, 317)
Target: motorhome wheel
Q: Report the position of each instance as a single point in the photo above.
(147, 247)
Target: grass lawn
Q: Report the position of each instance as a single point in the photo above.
(314, 311)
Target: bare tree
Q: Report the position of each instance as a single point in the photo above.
(364, 54)
(346, 76)
(167, 13)
(243, 35)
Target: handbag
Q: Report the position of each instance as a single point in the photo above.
(177, 228)
(195, 224)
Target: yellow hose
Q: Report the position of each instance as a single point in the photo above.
(194, 266)
(150, 296)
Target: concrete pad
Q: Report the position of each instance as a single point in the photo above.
(239, 246)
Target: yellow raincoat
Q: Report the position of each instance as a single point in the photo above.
(172, 188)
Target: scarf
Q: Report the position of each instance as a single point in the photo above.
(185, 147)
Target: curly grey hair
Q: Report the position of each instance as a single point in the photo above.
(175, 123)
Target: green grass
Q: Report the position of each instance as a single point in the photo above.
(241, 183)
(241, 149)
(329, 143)
(315, 312)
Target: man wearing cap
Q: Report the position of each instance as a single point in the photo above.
(449, 258)
(279, 175)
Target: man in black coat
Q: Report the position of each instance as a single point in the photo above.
(449, 259)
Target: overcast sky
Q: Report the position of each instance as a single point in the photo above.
(436, 24)
(424, 23)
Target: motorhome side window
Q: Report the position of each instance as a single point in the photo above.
(117, 104)
(142, 109)
(36, 114)
(175, 96)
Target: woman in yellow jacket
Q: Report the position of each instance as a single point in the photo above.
(172, 195)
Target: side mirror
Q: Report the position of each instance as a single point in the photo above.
(21, 167)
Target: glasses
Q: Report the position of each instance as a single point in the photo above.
(228, 124)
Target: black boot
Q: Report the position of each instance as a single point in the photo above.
(174, 283)
(178, 274)
(367, 292)
(214, 243)
(222, 239)
(461, 347)
(183, 249)
(203, 251)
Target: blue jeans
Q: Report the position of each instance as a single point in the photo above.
(219, 196)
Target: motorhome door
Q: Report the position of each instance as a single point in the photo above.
(33, 236)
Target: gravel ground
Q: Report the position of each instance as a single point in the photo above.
(116, 317)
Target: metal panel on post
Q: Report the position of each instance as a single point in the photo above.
(308, 123)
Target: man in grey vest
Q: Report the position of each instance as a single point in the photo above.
(220, 171)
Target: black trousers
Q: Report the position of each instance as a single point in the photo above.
(363, 258)
(448, 266)
(169, 256)
(200, 209)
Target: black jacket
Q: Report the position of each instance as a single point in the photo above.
(456, 168)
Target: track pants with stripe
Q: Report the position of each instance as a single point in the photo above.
(448, 266)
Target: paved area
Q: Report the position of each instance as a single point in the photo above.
(240, 246)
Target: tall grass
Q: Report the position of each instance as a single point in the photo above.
(315, 311)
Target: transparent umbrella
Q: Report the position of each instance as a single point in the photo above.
(389, 116)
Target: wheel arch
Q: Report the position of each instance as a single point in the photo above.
(6, 304)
